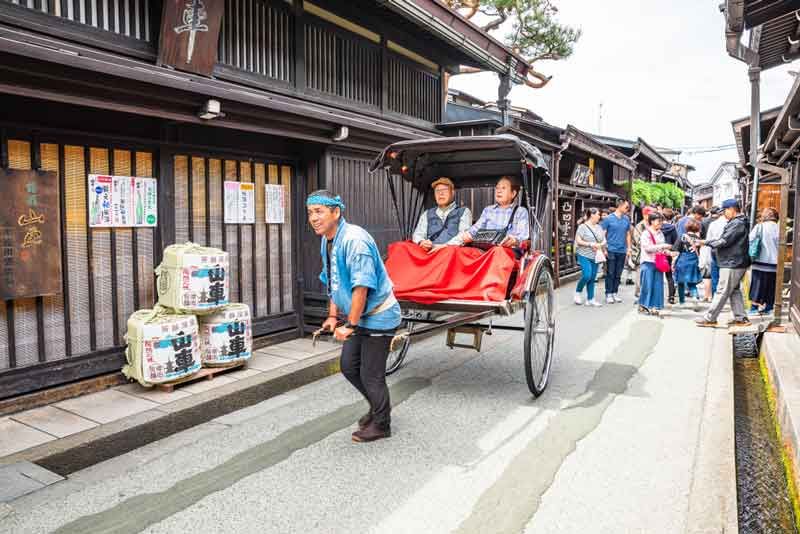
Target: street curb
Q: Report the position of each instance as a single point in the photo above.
(778, 362)
(79, 451)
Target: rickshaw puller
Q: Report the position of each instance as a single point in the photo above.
(358, 287)
(441, 225)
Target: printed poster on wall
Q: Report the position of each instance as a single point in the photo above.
(122, 201)
(247, 203)
(240, 206)
(275, 212)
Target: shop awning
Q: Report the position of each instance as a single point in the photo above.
(588, 193)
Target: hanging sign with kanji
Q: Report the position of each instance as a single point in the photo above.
(30, 234)
(190, 34)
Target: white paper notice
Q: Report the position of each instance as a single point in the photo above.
(231, 202)
(122, 201)
(275, 212)
(145, 202)
(100, 214)
(247, 203)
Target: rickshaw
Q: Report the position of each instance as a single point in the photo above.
(475, 164)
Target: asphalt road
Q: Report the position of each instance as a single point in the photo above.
(616, 444)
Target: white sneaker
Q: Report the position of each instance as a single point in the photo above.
(593, 302)
(578, 299)
(616, 298)
(609, 299)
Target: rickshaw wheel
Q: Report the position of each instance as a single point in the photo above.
(397, 357)
(539, 331)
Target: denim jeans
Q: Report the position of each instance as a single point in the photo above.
(683, 289)
(714, 274)
(614, 266)
(588, 276)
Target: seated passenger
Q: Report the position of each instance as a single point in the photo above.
(441, 226)
(498, 216)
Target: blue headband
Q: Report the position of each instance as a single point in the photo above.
(325, 201)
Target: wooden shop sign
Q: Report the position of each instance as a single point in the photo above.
(190, 34)
(30, 234)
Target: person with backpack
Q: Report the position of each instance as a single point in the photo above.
(589, 242)
(654, 263)
(733, 257)
(764, 239)
(687, 265)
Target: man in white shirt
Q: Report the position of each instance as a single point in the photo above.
(715, 230)
(440, 226)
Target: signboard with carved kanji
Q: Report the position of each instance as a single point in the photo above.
(190, 34)
(30, 234)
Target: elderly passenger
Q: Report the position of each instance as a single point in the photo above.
(441, 225)
(503, 215)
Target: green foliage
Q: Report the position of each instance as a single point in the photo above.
(535, 33)
(667, 194)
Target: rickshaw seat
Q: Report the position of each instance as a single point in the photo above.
(452, 273)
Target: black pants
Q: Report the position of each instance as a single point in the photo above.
(614, 266)
(363, 363)
(670, 284)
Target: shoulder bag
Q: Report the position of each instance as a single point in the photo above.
(599, 255)
(661, 260)
(755, 244)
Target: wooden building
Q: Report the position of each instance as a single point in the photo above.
(287, 93)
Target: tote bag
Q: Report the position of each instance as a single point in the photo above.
(755, 244)
(661, 260)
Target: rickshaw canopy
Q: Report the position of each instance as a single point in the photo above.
(470, 161)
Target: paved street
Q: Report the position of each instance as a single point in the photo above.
(626, 439)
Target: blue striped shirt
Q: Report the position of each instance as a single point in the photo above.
(496, 218)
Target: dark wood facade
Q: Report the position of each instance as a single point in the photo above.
(83, 93)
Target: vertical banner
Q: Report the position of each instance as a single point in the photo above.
(30, 234)
(276, 211)
(122, 201)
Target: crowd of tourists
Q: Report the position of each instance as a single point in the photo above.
(702, 255)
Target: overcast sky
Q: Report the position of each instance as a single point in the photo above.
(659, 68)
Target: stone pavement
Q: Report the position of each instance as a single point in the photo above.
(40, 429)
(634, 434)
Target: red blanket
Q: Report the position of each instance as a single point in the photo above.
(462, 273)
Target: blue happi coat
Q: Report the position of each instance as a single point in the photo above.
(356, 262)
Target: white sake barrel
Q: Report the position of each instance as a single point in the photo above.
(193, 279)
(226, 335)
(162, 347)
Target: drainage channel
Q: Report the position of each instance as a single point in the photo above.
(764, 504)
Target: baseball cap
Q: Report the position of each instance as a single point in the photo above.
(730, 203)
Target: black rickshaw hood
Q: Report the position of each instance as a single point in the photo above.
(470, 157)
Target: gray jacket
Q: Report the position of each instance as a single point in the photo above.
(733, 247)
(768, 254)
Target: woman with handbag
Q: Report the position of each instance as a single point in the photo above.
(589, 242)
(764, 255)
(654, 263)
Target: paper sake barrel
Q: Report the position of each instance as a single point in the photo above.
(162, 347)
(226, 336)
(193, 279)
